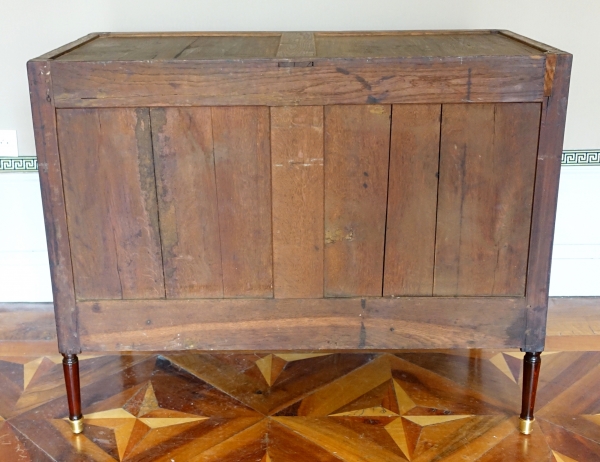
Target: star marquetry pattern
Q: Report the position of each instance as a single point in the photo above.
(561, 457)
(270, 407)
(271, 365)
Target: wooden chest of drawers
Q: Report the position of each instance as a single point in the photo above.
(306, 191)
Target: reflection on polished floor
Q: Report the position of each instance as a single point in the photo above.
(452, 405)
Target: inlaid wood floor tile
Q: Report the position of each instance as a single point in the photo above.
(561, 457)
(434, 394)
(515, 447)
(564, 374)
(249, 444)
(475, 372)
(439, 438)
(9, 443)
(339, 439)
(570, 443)
(508, 365)
(15, 447)
(287, 445)
(412, 406)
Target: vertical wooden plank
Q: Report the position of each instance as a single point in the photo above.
(187, 202)
(93, 242)
(412, 200)
(297, 170)
(357, 141)
(111, 203)
(55, 219)
(242, 168)
(552, 130)
(517, 131)
(487, 167)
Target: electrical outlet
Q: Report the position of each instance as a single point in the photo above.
(8, 143)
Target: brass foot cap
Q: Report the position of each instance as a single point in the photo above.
(76, 426)
(526, 426)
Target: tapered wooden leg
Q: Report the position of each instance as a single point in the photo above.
(71, 370)
(531, 373)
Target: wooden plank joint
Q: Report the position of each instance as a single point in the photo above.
(297, 45)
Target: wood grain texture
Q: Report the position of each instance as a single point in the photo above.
(232, 47)
(55, 219)
(111, 202)
(232, 324)
(412, 32)
(530, 42)
(224, 45)
(20, 348)
(576, 316)
(349, 446)
(108, 48)
(243, 172)
(297, 177)
(571, 343)
(485, 199)
(286, 444)
(300, 374)
(412, 200)
(422, 320)
(29, 328)
(32, 322)
(297, 45)
(406, 80)
(396, 45)
(554, 112)
(187, 202)
(68, 47)
(487, 168)
(357, 140)
(549, 76)
(423, 406)
(302, 324)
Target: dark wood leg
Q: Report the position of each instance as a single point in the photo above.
(71, 370)
(531, 373)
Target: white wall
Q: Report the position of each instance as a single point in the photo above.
(29, 28)
(24, 273)
(576, 253)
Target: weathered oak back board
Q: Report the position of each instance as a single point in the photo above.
(300, 190)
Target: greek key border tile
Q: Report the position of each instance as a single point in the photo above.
(569, 158)
(18, 164)
(591, 157)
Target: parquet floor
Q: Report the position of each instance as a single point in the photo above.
(416, 406)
